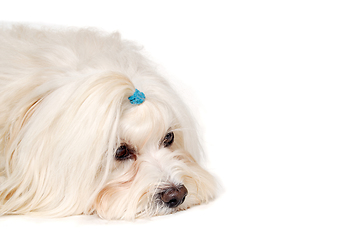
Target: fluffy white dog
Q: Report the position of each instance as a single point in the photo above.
(77, 137)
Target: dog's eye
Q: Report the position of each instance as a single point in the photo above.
(168, 139)
(124, 153)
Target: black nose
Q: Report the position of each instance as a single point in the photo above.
(174, 196)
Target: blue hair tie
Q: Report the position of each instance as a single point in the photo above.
(137, 98)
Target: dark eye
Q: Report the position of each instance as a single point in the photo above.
(168, 139)
(124, 153)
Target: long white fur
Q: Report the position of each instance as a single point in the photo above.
(64, 110)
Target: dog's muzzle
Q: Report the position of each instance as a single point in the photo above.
(174, 196)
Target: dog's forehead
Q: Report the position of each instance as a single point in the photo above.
(146, 123)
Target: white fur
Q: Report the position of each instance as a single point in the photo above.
(64, 110)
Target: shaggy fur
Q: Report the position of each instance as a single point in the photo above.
(64, 110)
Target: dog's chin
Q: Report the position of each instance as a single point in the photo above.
(153, 208)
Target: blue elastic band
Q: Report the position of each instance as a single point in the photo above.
(137, 98)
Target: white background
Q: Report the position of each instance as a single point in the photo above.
(276, 88)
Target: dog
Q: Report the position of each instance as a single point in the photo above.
(89, 126)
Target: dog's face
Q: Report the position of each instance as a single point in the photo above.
(83, 148)
(152, 173)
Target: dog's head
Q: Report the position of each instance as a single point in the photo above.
(83, 148)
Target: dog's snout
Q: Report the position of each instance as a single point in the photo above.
(174, 196)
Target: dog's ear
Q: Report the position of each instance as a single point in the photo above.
(10, 134)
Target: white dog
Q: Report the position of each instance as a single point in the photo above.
(88, 126)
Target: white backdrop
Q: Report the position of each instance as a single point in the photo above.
(275, 86)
